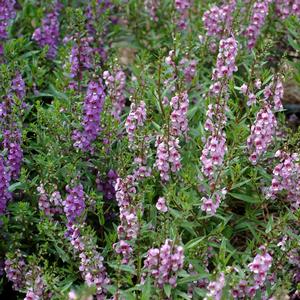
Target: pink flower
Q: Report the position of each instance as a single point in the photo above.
(161, 204)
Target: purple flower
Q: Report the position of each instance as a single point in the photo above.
(5, 195)
(151, 7)
(123, 248)
(179, 120)
(125, 188)
(116, 90)
(12, 143)
(129, 224)
(91, 262)
(136, 117)
(259, 13)
(81, 58)
(92, 108)
(213, 153)
(189, 69)
(15, 270)
(49, 205)
(129, 227)
(48, 33)
(7, 12)
(215, 288)
(262, 133)
(161, 205)
(36, 286)
(167, 156)
(18, 86)
(182, 7)
(286, 177)
(164, 263)
(107, 186)
(94, 12)
(74, 203)
(218, 19)
(211, 204)
(275, 90)
(284, 8)
(141, 171)
(260, 266)
(245, 90)
(226, 66)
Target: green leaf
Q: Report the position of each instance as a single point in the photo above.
(146, 290)
(16, 186)
(270, 224)
(194, 242)
(245, 198)
(191, 278)
(181, 295)
(167, 290)
(239, 184)
(124, 268)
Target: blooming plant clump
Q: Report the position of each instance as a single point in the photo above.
(149, 150)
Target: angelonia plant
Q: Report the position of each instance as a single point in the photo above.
(149, 149)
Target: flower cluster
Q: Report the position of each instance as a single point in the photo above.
(7, 13)
(5, 195)
(94, 12)
(286, 177)
(259, 13)
(48, 33)
(225, 65)
(189, 69)
(49, 205)
(260, 266)
(215, 118)
(179, 121)
(92, 108)
(18, 87)
(116, 90)
(125, 249)
(218, 19)
(36, 287)
(182, 7)
(141, 170)
(74, 204)
(91, 262)
(167, 156)
(262, 133)
(243, 290)
(107, 186)
(200, 283)
(136, 117)
(12, 143)
(129, 227)
(15, 270)
(151, 7)
(161, 204)
(213, 21)
(215, 288)
(125, 189)
(211, 204)
(275, 90)
(215, 148)
(81, 58)
(164, 263)
(285, 8)
(251, 98)
(213, 153)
